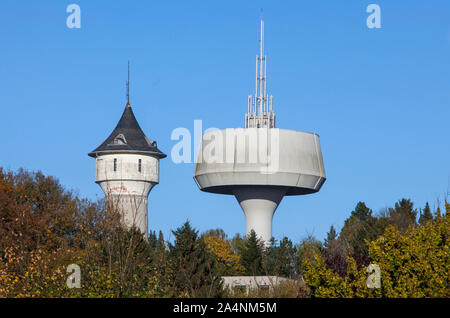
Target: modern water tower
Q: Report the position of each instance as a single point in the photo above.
(260, 164)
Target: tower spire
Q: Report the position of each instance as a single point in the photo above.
(260, 106)
(128, 85)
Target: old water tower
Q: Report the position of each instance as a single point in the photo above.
(127, 168)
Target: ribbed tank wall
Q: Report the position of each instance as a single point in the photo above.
(260, 156)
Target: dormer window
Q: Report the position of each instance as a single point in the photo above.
(120, 140)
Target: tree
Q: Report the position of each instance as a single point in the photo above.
(307, 248)
(335, 253)
(281, 260)
(237, 243)
(228, 262)
(216, 232)
(403, 214)
(362, 213)
(37, 212)
(413, 263)
(251, 257)
(331, 237)
(194, 271)
(425, 215)
(358, 229)
(322, 281)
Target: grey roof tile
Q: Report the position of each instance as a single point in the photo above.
(128, 137)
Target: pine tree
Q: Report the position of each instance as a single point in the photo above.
(251, 257)
(362, 213)
(403, 215)
(194, 270)
(331, 237)
(425, 215)
(358, 228)
(280, 260)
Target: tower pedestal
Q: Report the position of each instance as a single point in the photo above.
(259, 205)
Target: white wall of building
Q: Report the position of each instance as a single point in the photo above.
(126, 187)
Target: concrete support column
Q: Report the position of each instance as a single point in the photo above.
(259, 205)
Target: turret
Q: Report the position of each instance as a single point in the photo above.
(127, 168)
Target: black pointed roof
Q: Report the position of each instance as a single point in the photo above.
(128, 137)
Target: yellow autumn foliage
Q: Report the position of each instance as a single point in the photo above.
(413, 264)
(227, 260)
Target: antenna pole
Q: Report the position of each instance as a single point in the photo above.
(260, 107)
(128, 84)
(261, 67)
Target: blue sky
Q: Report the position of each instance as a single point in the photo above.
(378, 98)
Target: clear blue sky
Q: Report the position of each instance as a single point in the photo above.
(378, 98)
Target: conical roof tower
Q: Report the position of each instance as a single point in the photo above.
(127, 168)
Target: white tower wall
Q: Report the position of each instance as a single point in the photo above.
(126, 187)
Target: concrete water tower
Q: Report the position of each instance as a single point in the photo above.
(127, 168)
(260, 164)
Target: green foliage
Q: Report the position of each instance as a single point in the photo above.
(360, 228)
(237, 243)
(281, 260)
(308, 248)
(362, 213)
(331, 237)
(403, 215)
(195, 271)
(425, 215)
(44, 228)
(414, 263)
(252, 255)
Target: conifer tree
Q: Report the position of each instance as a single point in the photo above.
(425, 215)
(403, 215)
(358, 228)
(280, 260)
(251, 257)
(194, 270)
(362, 213)
(331, 237)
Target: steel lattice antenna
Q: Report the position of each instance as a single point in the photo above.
(260, 106)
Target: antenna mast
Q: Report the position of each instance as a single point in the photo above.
(260, 106)
(128, 85)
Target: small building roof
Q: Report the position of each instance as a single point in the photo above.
(128, 137)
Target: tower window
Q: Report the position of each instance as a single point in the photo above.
(115, 164)
(140, 165)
